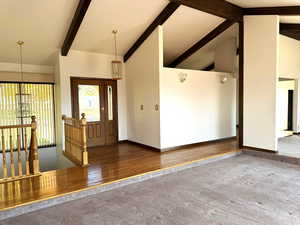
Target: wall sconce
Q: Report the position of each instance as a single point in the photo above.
(223, 79)
(182, 77)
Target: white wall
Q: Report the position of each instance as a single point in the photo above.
(29, 68)
(92, 65)
(31, 73)
(225, 56)
(142, 72)
(289, 67)
(197, 110)
(289, 57)
(260, 81)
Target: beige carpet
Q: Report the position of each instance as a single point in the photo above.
(289, 145)
(243, 190)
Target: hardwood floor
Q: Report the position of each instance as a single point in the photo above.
(107, 164)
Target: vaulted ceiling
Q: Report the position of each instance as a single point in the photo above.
(185, 27)
(95, 33)
(43, 26)
(206, 55)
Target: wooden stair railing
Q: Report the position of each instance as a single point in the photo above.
(76, 140)
(13, 147)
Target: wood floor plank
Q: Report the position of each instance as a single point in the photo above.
(107, 164)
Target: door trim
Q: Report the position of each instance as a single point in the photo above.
(115, 105)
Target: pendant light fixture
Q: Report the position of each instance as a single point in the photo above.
(23, 99)
(116, 64)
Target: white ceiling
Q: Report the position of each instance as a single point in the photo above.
(44, 24)
(184, 28)
(205, 55)
(129, 18)
(264, 3)
(40, 24)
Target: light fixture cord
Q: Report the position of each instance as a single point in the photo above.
(116, 51)
(21, 61)
(21, 66)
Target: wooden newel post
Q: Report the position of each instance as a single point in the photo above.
(34, 164)
(83, 140)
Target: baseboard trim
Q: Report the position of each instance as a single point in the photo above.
(258, 149)
(181, 146)
(296, 133)
(199, 144)
(141, 145)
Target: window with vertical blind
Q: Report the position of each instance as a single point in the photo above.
(42, 107)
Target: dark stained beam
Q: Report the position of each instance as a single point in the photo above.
(210, 36)
(219, 8)
(159, 20)
(241, 86)
(290, 30)
(289, 26)
(74, 26)
(282, 11)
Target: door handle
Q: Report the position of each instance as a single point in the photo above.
(102, 108)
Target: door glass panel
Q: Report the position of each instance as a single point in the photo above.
(89, 102)
(110, 102)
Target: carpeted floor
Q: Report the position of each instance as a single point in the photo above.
(289, 145)
(243, 190)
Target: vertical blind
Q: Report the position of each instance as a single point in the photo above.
(42, 107)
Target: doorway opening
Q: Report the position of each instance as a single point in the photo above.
(97, 98)
(288, 138)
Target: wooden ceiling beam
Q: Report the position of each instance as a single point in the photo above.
(282, 11)
(290, 30)
(219, 8)
(290, 26)
(74, 26)
(159, 20)
(210, 36)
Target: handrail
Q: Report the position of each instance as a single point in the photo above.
(32, 167)
(15, 126)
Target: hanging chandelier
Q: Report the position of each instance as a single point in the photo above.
(116, 64)
(23, 99)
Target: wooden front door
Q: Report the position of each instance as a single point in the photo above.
(97, 98)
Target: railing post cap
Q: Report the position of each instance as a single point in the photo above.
(63, 117)
(33, 118)
(82, 115)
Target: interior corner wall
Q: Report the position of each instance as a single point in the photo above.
(197, 110)
(289, 67)
(261, 40)
(142, 71)
(289, 57)
(89, 65)
(225, 56)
